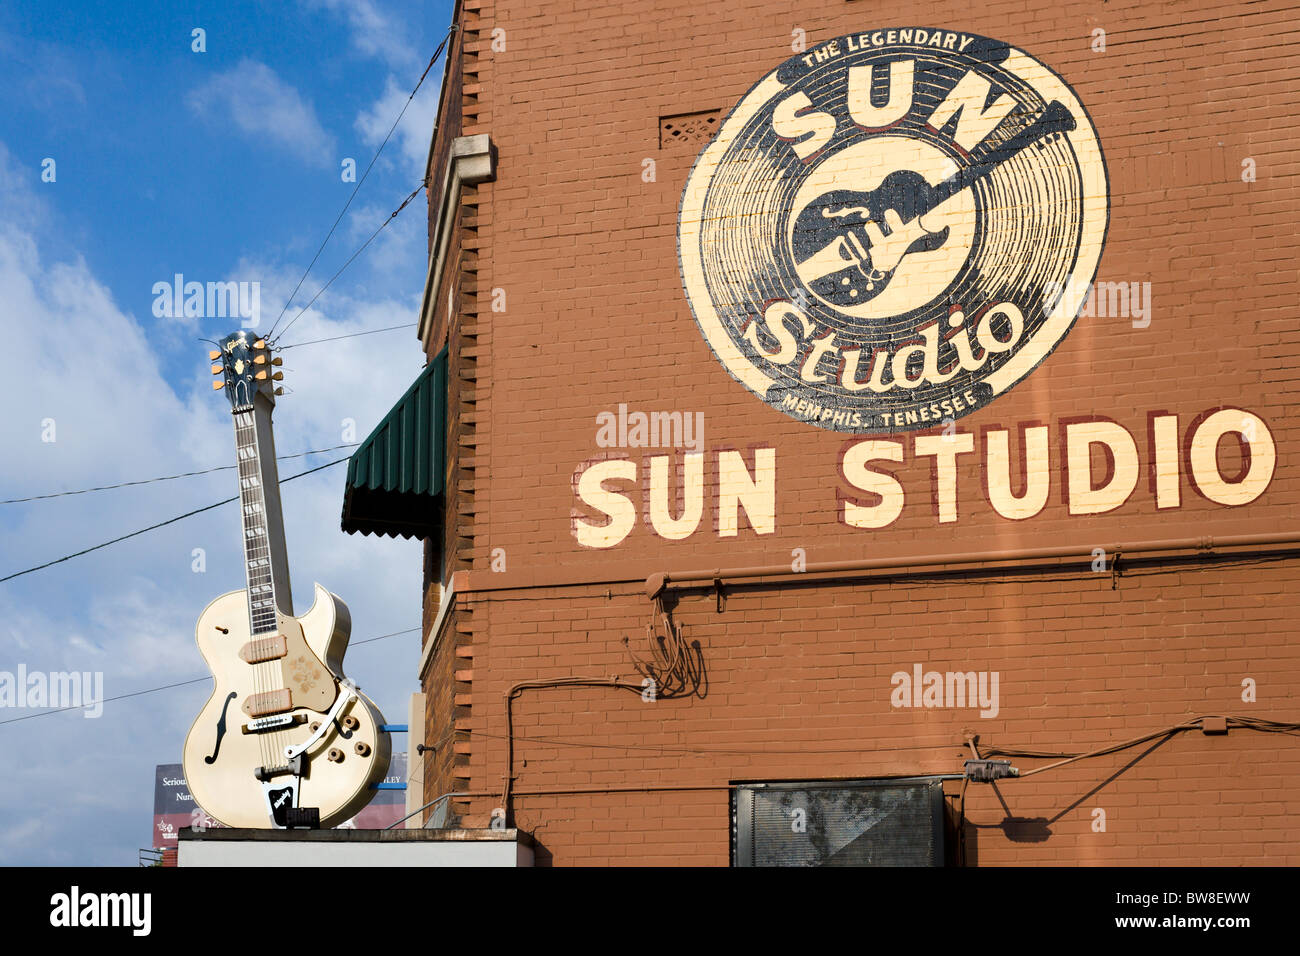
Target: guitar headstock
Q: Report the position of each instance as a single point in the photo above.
(244, 362)
(1055, 122)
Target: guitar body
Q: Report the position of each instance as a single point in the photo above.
(880, 224)
(893, 211)
(220, 757)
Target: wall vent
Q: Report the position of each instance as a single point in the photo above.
(896, 822)
(688, 129)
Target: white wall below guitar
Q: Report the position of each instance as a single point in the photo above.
(225, 847)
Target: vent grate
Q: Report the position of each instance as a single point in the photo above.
(839, 823)
(688, 129)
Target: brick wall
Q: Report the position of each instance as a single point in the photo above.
(575, 305)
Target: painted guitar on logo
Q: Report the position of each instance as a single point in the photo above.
(855, 241)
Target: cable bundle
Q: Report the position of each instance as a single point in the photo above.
(675, 667)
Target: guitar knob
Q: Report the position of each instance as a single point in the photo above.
(350, 722)
(363, 748)
(335, 755)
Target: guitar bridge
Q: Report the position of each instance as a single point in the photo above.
(263, 724)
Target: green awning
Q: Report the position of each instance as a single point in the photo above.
(395, 476)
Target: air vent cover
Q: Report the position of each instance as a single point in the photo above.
(839, 823)
(690, 130)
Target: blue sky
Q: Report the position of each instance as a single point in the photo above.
(219, 165)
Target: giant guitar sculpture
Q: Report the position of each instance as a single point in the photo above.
(286, 740)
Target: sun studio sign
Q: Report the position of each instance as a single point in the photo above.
(886, 234)
(877, 238)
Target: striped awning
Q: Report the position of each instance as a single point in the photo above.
(395, 476)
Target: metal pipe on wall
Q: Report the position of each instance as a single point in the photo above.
(657, 583)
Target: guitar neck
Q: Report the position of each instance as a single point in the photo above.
(1055, 119)
(265, 560)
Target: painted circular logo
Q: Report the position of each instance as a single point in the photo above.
(883, 233)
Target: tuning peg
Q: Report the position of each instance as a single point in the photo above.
(260, 376)
(259, 344)
(277, 361)
(217, 369)
(259, 359)
(279, 391)
(214, 355)
(278, 376)
(218, 385)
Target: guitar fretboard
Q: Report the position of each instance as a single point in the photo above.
(257, 544)
(1055, 119)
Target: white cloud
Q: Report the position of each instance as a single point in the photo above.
(261, 105)
(398, 252)
(413, 133)
(372, 32)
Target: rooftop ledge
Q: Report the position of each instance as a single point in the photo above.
(223, 846)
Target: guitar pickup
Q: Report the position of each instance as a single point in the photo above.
(264, 649)
(270, 702)
(263, 724)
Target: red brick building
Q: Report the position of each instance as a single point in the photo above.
(828, 398)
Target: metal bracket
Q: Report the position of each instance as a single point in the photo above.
(986, 771)
(347, 693)
(721, 595)
(1115, 571)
